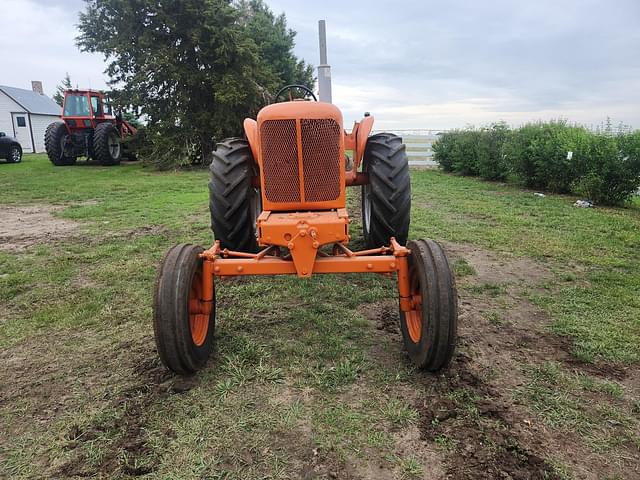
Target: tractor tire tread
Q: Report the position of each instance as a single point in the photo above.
(53, 146)
(440, 299)
(101, 150)
(229, 195)
(388, 192)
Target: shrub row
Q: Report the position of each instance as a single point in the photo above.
(603, 166)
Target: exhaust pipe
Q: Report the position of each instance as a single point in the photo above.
(324, 69)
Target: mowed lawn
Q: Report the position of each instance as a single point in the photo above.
(309, 379)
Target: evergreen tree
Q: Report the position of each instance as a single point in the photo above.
(193, 68)
(58, 97)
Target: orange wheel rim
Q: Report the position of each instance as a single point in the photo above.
(198, 318)
(413, 318)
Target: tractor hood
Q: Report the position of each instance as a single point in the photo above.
(300, 109)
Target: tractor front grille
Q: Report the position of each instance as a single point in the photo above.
(320, 159)
(280, 161)
(320, 141)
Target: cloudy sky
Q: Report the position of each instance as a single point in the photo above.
(413, 64)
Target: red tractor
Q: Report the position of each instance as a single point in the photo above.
(88, 129)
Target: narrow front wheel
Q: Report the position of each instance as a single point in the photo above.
(183, 323)
(429, 330)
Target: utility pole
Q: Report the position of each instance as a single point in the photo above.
(324, 69)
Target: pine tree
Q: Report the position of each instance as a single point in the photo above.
(194, 69)
(58, 97)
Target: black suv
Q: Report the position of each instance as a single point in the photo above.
(10, 148)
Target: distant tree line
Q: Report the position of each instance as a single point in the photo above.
(192, 69)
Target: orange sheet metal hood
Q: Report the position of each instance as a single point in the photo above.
(300, 109)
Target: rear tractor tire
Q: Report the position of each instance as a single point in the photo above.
(386, 199)
(429, 331)
(184, 333)
(233, 202)
(107, 144)
(55, 138)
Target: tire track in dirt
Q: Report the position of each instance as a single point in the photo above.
(466, 416)
(478, 429)
(128, 453)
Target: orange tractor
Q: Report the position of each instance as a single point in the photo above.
(277, 202)
(88, 129)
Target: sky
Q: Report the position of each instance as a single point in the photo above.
(414, 64)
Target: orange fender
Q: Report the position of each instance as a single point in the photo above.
(251, 131)
(362, 133)
(357, 141)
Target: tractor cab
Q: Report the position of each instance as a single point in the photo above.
(85, 109)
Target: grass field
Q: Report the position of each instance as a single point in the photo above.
(309, 379)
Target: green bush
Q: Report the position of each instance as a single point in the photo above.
(491, 162)
(443, 149)
(456, 151)
(610, 173)
(474, 152)
(465, 152)
(538, 154)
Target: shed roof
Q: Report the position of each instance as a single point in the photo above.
(32, 101)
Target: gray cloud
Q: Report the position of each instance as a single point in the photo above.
(524, 60)
(418, 64)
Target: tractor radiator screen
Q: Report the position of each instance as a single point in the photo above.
(280, 161)
(320, 140)
(321, 159)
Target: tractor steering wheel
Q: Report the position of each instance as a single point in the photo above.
(289, 88)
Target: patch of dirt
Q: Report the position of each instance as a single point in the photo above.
(129, 454)
(523, 326)
(485, 443)
(309, 460)
(411, 443)
(22, 227)
(384, 314)
(491, 267)
(47, 378)
(490, 432)
(632, 386)
(325, 465)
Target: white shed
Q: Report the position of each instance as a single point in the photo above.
(25, 115)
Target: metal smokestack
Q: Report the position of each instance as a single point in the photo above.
(324, 69)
